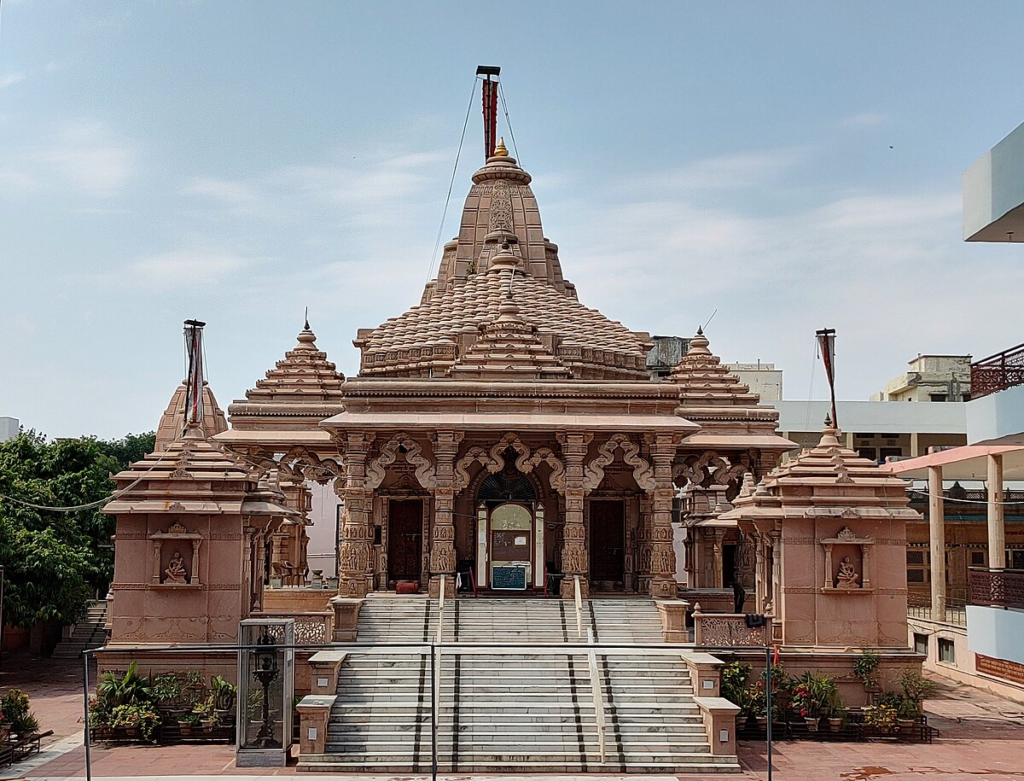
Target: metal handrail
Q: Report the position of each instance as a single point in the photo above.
(578, 595)
(436, 682)
(598, 692)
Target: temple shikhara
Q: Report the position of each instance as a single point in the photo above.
(501, 440)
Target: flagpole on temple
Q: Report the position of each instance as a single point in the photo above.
(490, 101)
(827, 346)
(194, 379)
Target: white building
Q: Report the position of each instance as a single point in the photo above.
(762, 378)
(9, 428)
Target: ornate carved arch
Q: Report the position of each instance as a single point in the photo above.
(709, 470)
(300, 464)
(377, 468)
(507, 441)
(462, 478)
(643, 472)
(547, 456)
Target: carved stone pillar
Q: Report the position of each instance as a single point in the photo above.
(644, 546)
(575, 560)
(663, 555)
(760, 592)
(776, 595)
(356, 532)
(442, 544)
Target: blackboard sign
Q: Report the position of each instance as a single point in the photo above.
(510, 578)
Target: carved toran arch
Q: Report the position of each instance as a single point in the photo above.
(377, 468)
(643, 473)
(300, 464)
(493, 461)
(708, 470)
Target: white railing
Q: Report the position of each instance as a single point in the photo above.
(598, 692)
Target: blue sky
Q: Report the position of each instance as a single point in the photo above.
(792, 165)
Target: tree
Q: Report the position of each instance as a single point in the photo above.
(55, 560)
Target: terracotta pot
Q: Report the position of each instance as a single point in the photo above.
(835, 725)
(812, 723)
(762, 722)
(185, 729)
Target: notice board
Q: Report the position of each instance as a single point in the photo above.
(509, 578)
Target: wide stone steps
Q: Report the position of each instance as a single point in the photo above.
(90, 632)
(524, 707)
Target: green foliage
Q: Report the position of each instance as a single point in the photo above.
(54, 561)
(136, 716)
(814, 695)
(916, 689)
(165, 689)
(224, 693)
(128, 689)
(15, 708)
(866, 667)
(734, 684)
(189, 719)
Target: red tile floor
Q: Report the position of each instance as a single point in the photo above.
(981, 737)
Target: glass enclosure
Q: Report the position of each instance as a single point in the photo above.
(266, 686)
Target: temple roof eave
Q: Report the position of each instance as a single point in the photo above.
(432, 421)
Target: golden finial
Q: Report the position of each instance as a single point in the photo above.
(500, 150)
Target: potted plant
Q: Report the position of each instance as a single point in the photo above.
(223, 693)
(757, 702)
(880, 717)
(866, 668)
(127, 718)
(836, 713)
(5, 728)
(916, 689)
(187, 722)
(99, 719)
(20, 721)
(906, 714)
(734, 689)
(166, 690)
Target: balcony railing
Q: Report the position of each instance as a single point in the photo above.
(997, 372)
(997, 587)
(969, 495)
(920, 606)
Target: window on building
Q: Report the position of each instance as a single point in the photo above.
(977, 558)
(868, 452)
(966, 397)
(947, 651)
(937, 396)
(886, 452)
(864, 436)
(921, 643)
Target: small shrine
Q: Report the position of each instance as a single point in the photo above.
(829, 537)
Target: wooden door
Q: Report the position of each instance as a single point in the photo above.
(405, 539)
(607, 540)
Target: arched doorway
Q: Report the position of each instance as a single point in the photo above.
(510, 533)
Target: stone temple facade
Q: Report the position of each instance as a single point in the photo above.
(500, 430)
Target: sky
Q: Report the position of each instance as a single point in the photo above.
(785, 166)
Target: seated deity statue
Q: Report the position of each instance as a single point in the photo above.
(847, 577)
(176, 570)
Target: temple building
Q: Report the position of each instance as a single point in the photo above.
(502, 438)
(502, 431)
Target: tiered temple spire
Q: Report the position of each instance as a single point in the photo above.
(703, 381)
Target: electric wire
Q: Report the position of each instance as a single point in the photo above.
(89, 505)
(451, 184)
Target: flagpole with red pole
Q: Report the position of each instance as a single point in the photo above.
(827, 346)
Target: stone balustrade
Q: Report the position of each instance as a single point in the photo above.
(727, 629)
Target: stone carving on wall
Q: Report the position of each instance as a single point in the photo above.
(376, 469)
(708, 470)
(300, 464)
(847, 578)
(493, 460)
(643, 472)
(501, 208)
(176, 573)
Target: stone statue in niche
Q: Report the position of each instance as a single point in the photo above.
(175, 571)
(847, 577)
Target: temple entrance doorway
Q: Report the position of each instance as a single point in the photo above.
(405, 539)
(607, 544)
(510, 534)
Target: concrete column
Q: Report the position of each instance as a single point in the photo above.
(575, 560)
(915, 444)
(996, 526)
(442, 544)
(356, 544)
(937, 538)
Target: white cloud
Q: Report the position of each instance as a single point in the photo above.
(865, 119)
(725, 172)
(182, 268)
(227, 192)
(9, 79)
(85, 156)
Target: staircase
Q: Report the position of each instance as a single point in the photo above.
(525, 707)
(87, 633)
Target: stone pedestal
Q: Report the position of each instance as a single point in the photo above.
(346, 618)
(673, 619)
